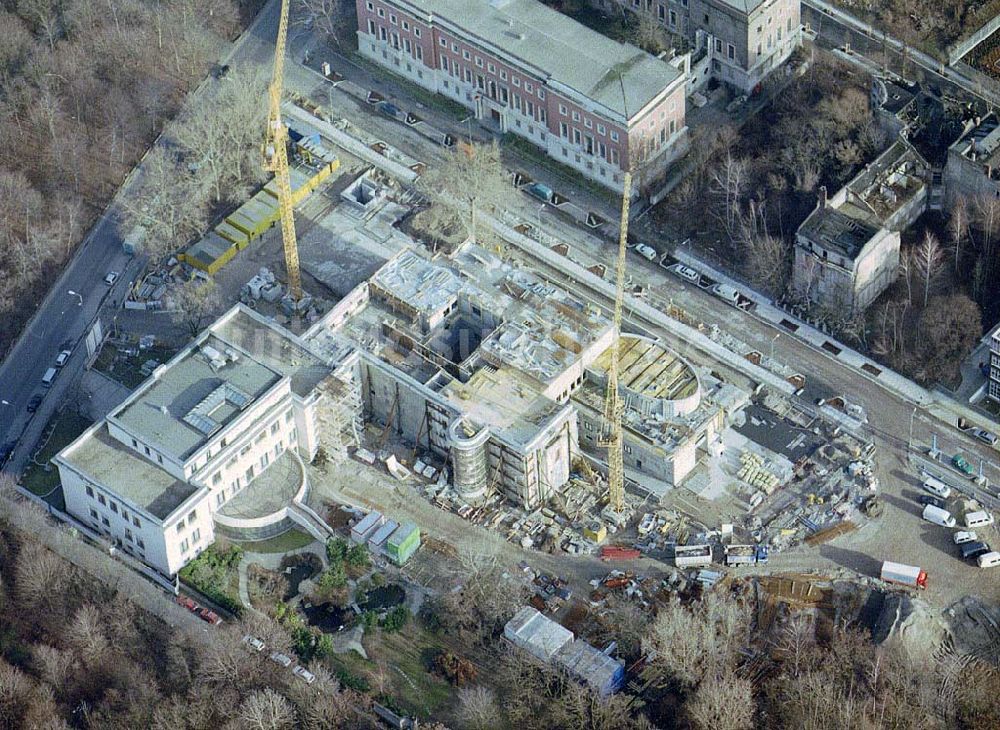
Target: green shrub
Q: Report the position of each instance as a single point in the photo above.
(336, 550)
(351, 680)
(211, 572)
(332, 578)
(396, 619)
(357, 557)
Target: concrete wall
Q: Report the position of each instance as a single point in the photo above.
(876, 268)
(852, 284)
(965, 178)
(958, 50)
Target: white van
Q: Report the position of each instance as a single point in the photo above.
(726, 292)
(978, 519)
(49, 376)
(937, 487)
(938, 516)
(989, 560)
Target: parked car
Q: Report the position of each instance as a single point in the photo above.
(111, 278)
(687, 273)
(210, 616)
(539, 191)
(36, 400)
(926, 499)
(278, 658)
(187, 603)
(974, 550)
(304, 674)
(985, 436)
(62, 357)
(253, 642)
(960, 463)
(647, 252)
(964, 536)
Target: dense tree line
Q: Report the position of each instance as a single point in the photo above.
(85, 86)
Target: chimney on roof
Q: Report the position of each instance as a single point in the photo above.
(822, 196)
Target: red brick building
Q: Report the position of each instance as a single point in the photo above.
(590, 102)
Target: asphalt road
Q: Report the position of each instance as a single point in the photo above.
(64, 317)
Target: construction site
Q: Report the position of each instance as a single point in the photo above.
(484, 386)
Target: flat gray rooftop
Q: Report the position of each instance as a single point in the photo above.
(157, 412)
(570, 53)
(274, 349)
(836, 231)
(106, 461)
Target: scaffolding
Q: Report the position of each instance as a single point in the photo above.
(339, 416)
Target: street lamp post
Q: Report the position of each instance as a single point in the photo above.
(78, 296)
(909, 439)
(541, 209)
(773, 340)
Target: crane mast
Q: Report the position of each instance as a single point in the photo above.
(276, 158)
(611, 437)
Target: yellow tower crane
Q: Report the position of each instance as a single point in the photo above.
(611, 437)
(276, 157)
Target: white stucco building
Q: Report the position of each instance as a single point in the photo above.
(233, 410)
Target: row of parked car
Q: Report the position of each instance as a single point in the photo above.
(282, 660)
(205, 614)
(968, 542)
(251, 641)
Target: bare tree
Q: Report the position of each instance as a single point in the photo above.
(470, 181)
(949, 327)
(649, 34)
(39, 574)
(171, 203)
(329, 17)
(194, 303)
(85, 634)
(221, 140)
(266, 710)
(53, 665)
(729, 180)
(15, 688)
(958, 228)
(702, 640)
(477, 708)
(722, 703)
(928, 262)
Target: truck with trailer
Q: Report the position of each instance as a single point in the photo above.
(741, 555)
(746, 554)
(907, 575)
(689, 556)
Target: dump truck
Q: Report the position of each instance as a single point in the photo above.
(907, 575)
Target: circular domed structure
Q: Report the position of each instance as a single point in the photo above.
(654, 381)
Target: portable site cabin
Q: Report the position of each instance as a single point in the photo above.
(403, 543)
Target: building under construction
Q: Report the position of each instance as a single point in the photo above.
(499, 375)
